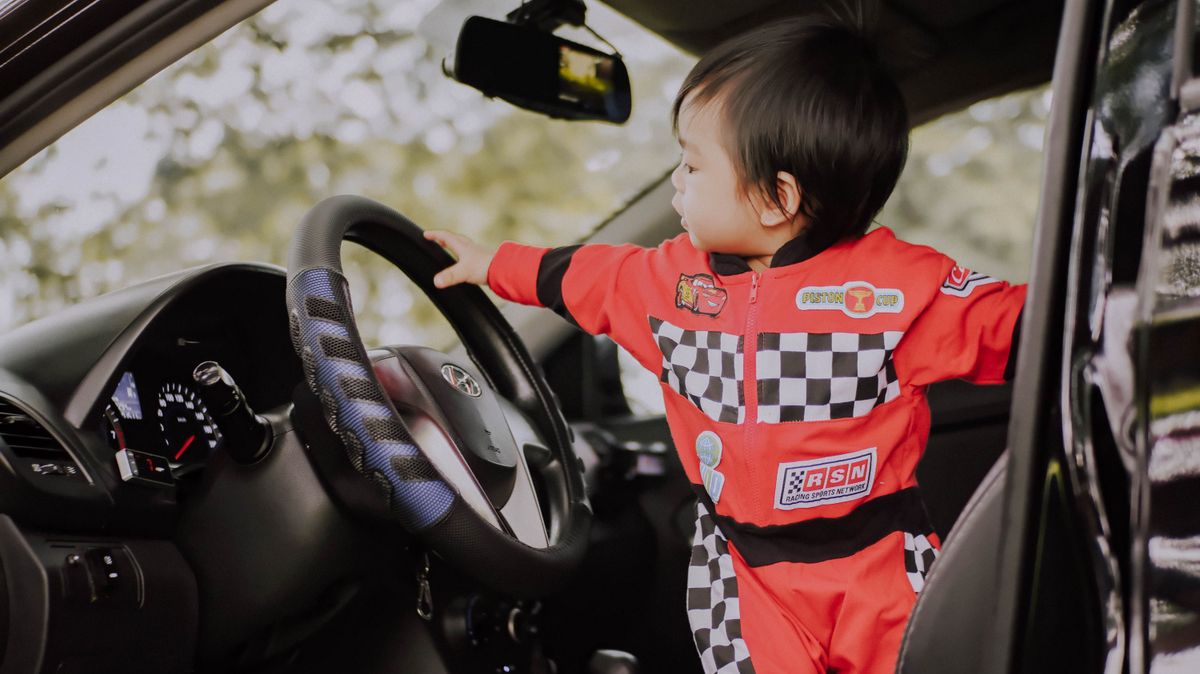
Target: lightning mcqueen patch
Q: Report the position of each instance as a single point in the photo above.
(699, 294)
(961, 281)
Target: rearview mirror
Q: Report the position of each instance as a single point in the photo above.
(540, 71)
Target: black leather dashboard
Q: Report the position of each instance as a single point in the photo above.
(63, 371)
(87, 557)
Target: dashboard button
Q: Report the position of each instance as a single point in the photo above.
(102, 566)
(53, 469)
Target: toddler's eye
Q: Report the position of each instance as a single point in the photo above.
(689, 168)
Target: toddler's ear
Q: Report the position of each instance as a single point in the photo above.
(789, 195)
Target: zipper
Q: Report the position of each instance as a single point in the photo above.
(750, 385)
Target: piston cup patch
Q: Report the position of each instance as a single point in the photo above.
(708, 449)
(856, 299)
(832, 479)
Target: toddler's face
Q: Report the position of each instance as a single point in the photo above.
(712, 206)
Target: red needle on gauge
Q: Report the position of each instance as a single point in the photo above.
(183, 449)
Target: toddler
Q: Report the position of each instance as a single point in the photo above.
(793, 346)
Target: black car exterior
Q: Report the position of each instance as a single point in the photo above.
(1078, 554)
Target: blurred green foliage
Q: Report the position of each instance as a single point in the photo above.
(218, 157)
(970, 188)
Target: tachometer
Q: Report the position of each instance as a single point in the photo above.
(187, 429)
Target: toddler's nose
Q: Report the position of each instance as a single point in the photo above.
(677, 183)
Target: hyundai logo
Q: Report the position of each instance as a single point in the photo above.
(459, 379)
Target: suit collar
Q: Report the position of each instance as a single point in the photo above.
(798, 249)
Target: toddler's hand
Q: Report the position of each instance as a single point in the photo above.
(473, 259)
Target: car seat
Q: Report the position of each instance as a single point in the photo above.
(955, 610)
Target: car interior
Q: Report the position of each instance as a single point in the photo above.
(173, 496)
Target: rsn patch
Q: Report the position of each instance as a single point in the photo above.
(832, 479)
(961, 281)
(856, 299)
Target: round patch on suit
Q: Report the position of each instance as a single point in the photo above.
(708, 448)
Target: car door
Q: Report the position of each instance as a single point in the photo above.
(1165, 618)
(1088, 546)
(1130, 371)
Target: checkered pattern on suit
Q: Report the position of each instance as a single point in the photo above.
(712, 601)
(703, 366)
(809, 376)
(919, 554)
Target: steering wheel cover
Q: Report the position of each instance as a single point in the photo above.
(336, 367)
(338, 371)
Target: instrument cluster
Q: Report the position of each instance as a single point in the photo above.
(157, 420)
(156, 409)
(166, 419)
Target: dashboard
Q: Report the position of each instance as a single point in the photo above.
(115, 373)
(157, 408)
(229, 563)
(80, 543)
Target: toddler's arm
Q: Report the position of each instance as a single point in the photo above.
(967, 331)
(596, 287)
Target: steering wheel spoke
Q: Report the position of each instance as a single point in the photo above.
(524, 512)
(414, 379)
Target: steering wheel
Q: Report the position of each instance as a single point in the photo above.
(447, 450)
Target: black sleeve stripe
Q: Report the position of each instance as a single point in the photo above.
(1010, 369)
(550, 278)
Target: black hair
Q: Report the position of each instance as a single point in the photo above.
(809, 96)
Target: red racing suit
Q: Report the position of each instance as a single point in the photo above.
(796, 401)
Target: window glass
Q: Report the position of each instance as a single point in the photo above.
(219, 156)
(971, 184)
(969, 189)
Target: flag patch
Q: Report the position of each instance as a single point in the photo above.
(961, 282)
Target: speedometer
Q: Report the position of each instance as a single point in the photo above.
(187, 429)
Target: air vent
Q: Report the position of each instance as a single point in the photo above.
(26, 437)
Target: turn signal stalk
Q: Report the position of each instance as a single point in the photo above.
(247, 435)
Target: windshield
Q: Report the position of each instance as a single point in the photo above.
(218, 157)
